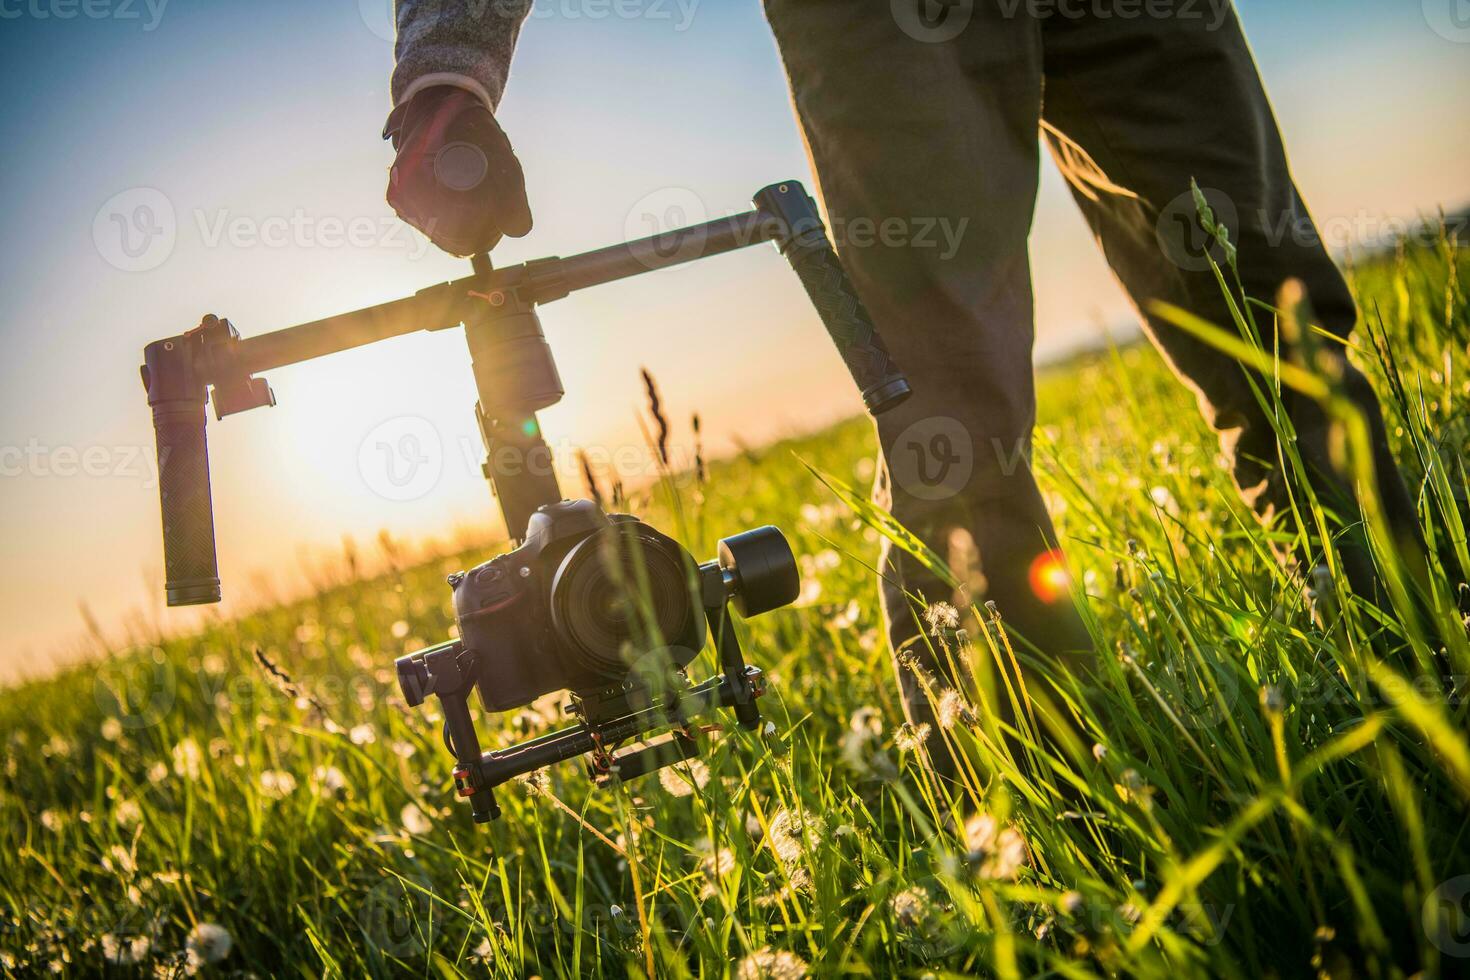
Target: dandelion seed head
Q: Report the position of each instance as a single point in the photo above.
(941, 616)
(717, 863)
(187, 759)
(536, 781)
(208, 942)
(912, 906)
(997, 852)
(910, 737)
(363, 734)
(277, 784)
(128, 813)
(793, 832)
(771, 964)
(414, 820)
(683, 778)
(125, 950)
(111, 729)
(952, 709)
(329, 780)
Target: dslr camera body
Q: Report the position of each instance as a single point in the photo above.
(578, 606)
(612, 610)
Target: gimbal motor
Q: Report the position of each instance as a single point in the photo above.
(602, 605)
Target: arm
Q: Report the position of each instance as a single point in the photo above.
(456, 177)
(464, 44)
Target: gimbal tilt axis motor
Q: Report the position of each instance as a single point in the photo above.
(602, 605)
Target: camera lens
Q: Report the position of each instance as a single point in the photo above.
(614, 588)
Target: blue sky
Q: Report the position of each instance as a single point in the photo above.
(248, 114)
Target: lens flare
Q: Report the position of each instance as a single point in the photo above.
(1050, 579)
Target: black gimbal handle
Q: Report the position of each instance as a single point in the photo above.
(177, 399)
(800, 235)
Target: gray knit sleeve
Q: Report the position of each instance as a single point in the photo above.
(456, 42)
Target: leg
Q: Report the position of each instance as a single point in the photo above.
(1146, 105)
(927, 134)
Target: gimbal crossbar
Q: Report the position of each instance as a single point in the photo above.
(514, 373)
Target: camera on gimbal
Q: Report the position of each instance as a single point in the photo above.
(612, 610)
(562, 610)
(601, 605)
(590, 598)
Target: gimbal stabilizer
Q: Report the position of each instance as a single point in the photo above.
(515, 377)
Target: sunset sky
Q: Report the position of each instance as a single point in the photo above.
(252, 119)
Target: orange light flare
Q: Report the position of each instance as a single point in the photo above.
(1050, 580)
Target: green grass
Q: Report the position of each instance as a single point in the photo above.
(1265, 794)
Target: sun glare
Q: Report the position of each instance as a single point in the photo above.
(1049, 577)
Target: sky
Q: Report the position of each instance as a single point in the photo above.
(249, 132)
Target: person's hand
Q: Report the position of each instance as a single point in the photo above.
(456, 178)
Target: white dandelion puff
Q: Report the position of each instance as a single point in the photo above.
(207, 943)
(999, 853)
(414, 820)
(128, 813)
(912, 906)
(952, 710)
(277, 784)
(793, 832)
(910, 737)
(941, 616)
(329, 780)
(187, 759)
(771, 964)
(684, 778)
(125, 950)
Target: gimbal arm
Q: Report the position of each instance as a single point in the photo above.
(179, 372)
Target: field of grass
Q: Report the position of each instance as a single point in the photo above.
(1260, 790)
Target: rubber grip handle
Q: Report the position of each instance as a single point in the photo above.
(190, 567)
(883, 385)
(803, 240)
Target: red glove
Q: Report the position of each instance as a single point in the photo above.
(456, 178)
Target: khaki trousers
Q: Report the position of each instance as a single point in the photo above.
(923, 111)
